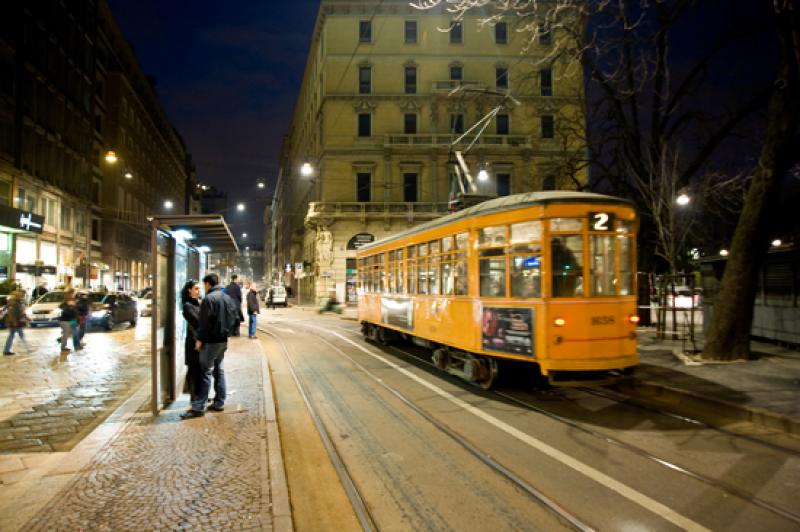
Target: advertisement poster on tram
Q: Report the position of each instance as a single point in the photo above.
(508, 330)
(397, 312)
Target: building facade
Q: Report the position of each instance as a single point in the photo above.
(47, 52)
(384, 96)
(150, 171)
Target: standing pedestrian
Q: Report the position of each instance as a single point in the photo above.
(252, 308)
(235, 292)
(69, 324)
(218, 317)
(190, 297)
(83, 307)
(15, 320)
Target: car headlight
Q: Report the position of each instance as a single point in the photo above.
(55, 313)
(99, 314)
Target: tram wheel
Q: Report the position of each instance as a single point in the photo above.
(492, 372)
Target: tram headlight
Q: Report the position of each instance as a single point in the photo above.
(633, 318)
(559, 322)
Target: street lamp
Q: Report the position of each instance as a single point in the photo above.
(261, 184)
(168, 204)
(240, 207)
(483, 175)
(683, 200)
(128, 175)
(244, 235)
(306, 170)
(111, 157)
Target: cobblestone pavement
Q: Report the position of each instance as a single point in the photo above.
(208, 473)
(49, 401)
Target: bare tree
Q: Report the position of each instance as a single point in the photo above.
(729, 333)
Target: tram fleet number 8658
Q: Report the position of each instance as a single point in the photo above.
(546, 278)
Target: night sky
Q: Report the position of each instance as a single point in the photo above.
(227, 76)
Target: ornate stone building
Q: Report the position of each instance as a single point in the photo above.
(385, 93)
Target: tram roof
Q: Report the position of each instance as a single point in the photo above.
(506, 203)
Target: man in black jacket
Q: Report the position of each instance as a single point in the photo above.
(218, 316)
(235, 292)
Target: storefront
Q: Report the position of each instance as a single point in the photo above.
(18, 254)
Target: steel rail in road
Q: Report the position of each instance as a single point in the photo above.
(722, 486)
(356, 499)
(549, 504)
(623, 399)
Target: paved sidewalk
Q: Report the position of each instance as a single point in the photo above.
(223, 471)
(765, 391)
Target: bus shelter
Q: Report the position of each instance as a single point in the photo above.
(179, 248)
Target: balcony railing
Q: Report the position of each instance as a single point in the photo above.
(514, 141)
(447, 85)
(327, 212)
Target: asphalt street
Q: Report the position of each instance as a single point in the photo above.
(427, 451)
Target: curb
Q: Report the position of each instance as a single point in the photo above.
(704, 408)
(278, 488)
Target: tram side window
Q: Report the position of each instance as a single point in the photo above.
(526, 277)
(566, 253)
(422, 273)
(411, 273)
(604, 280)
(433, 275)
(460, 275)
(493, 277)
(448, 289)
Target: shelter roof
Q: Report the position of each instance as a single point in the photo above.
(207, 230)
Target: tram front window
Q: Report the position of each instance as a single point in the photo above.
(604, 281)
(566, 253)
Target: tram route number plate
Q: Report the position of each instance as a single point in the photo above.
(507, 330)
(601, 221)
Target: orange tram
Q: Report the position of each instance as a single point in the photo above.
(546, 278)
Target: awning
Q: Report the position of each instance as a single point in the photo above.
(208, 230)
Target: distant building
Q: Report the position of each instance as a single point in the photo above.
(376, 117)
(213, 200)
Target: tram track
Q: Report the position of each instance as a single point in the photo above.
(368, 523)
(642, 453)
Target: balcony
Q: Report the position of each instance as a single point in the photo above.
(448, 85)
(506, 141)
(325, 213)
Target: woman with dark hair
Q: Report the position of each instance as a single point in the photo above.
(190, 299)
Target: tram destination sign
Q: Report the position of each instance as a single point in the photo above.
(359, 240)
(20, 220)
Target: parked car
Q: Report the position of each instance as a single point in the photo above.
(683, 297)
(110, 309)
(45, 310)
(145, 304)
(277, 296)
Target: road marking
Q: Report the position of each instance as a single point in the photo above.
(598, 476)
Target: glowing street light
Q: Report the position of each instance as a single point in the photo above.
(777, 243)
(244, 235)
(168, 204)
(261, 184)
(723, 252)
(683, 200)
(240, 207)
(128, 175)
(111, 157)
(483, 175)
(306, 170)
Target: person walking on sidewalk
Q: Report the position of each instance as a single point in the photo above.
(15, 320)
(190, 297)
(218, 317)
(252, 307)
(69, 324)
(83, 306)
(235, 293)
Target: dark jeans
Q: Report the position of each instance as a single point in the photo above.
(211, 356)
